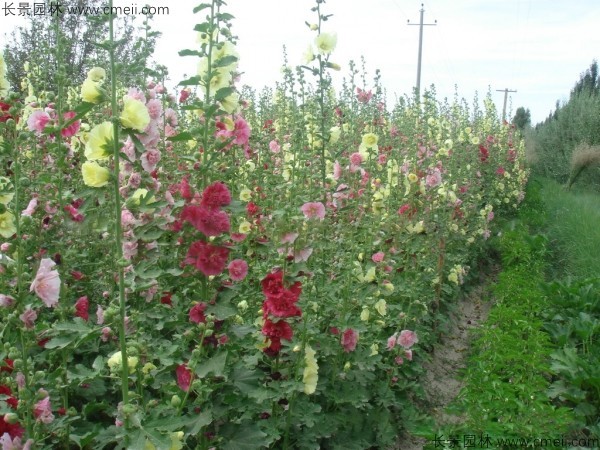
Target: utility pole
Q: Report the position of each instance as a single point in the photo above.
(421, 24)
(506, 91)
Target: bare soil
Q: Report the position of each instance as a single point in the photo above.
(442, 381)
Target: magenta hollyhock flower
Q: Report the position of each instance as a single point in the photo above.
(363, 96)
(378, 257)
(46, 283)
(241, 132)
(207, 258)
(210, 221)
(196, 313)
(356, 159)
(216, 195)
(73, 128)
(238, 269)
(313, 210)
(81, 308)
(37, 121)
(184, 377)
(349, 340)
(407, 338)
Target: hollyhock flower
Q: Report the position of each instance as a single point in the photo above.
(37, 121)
(238, 269)
(313, 210)
(216, 195)
(90, 91)
(272, 284)
(483, 153)
(403, 209)
(30, 207)
(325, 43)
(196, 313)
(150, 159)
(337, 170)
(46, 283)
(81, 308)
(43, 411)
(356, 159)
(282, 305)
(7, 224)
(72, 129)
(310, 376)
(407, 339)
(94, 175)
(6, 301)
(184, 95)
(135, 114)
(434, 178)
(349, 340)
(289, 238)
(369, 140)
(238, 237)
(207, 258)
(28, 318)
(184, 377)
(279, 330)
(241, 132)
(274, 146)
(99, 315)
(378, 257)
(391, 342)
(97, 74)
(408, 354)
(154, 108)
(76, 216)
(363, 96)
(116, 361)
(210, 222)
(303, 255)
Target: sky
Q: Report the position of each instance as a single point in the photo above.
(537, 48)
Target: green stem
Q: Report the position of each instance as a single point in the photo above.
(118, 229)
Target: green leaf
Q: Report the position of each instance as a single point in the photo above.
(183, 136)
(243, 437)
(216, 365)
(223, 93)
(192, 81)
(225, 16)
(189, 52)
(201, 6)
(246, 380)
(200, 421)
(224, 61)
(60, 341)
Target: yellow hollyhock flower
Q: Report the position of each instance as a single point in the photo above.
(245, 195)
(245, 227)
(90, 91)
(310, 376)
(370, 140)
(135, 114)
(115, 361)
(326, 42)
(6, 188)
(97, 74)
(97, 145)
(7, 224)
(381, 307)
(94, 175)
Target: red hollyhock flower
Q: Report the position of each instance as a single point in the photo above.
(282, 305)
(10, 401)
(252, 209)
(211, 222)
(166, 299)
(483, 153)
(72, 129)
(7, 365)
(280, 329)
(216, 195)
(77, 275)
(272, 284)
(184, 377)
(81, 308)
(196, 313)
(207, 258)
(4, 115)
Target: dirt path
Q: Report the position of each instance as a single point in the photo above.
(442, 378)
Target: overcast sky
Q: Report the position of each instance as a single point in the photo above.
(536, 47)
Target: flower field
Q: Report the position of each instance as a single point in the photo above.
(221, 268)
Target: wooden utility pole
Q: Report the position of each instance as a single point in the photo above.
(506, 91)
(421, 25)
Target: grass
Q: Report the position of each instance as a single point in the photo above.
(573, 230)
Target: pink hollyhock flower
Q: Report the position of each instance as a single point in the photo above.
(241, 132)
(150, 159)
(9, 443)
(363, 96)
(30, 207)
(274, 146)
(391, 342)
(43, 411)
(349, 340)
(28, 318)
(99, 315)
(434, 178)
(210, 221)
(337, 170)
(216, 195)
(356, 159)
(238, 237)
(81, 308)
(184, 377)
(6, 301)
(37, 121)
(46, 283)
(129, 249)
(72, 129)
(408, 354)
(313, 210)
(303, 255)
(378, 257)
(399, 360)
(196, 313)
(407, 339)
(403, 209)
(154, 108)
(289, 238)
(184, 95)
(238, 269)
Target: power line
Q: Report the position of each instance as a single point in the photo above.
(506, 91)
(421, 24)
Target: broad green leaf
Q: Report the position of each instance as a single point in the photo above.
(214, 365)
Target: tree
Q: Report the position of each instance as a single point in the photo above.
(80, 37)
(522, 118)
